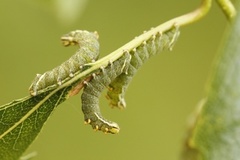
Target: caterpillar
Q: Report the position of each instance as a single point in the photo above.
(140, 54)
(93, 89)
(88, 52)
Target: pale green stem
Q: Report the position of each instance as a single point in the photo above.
(227, 8)
(179, 21)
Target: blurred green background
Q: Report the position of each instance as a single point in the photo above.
(160, 98)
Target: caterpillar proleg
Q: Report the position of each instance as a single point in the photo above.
(148, 48)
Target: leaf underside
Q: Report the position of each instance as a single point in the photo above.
(22, 120)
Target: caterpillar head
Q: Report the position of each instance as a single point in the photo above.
(79, 37)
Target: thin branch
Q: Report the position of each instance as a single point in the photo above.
(228, 8)
(179, 21)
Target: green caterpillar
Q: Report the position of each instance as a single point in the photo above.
(116, 76)
(140, 54)
(92, 90)
(88, 52)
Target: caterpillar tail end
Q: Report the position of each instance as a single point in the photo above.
(103, 125)
(33, 87)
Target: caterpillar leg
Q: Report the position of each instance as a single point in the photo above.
(143, 52)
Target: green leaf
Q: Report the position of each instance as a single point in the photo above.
(22, 120)
(215, 135)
